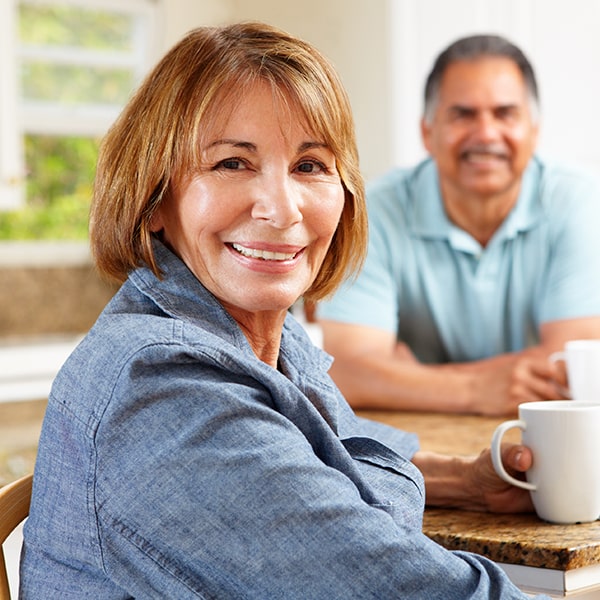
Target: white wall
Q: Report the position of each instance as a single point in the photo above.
(566, 51)
(421, 29)
(351, 33)
(383, 50)
(559, 37)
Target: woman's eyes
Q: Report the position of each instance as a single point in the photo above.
(231, 164)
(309, 167)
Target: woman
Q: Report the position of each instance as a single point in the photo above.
(194, 445)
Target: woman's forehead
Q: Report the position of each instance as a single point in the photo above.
(227, 104)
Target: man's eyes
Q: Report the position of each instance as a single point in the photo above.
(501, 113)
(506, 112)
(462, 113)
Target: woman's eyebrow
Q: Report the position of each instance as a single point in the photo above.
(309, 145)
(235, 143)
(251, 147)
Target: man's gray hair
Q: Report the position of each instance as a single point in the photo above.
(472, 48)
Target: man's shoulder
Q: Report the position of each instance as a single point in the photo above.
(565, 193)
(569, 178)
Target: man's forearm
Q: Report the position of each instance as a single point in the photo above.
(446, 483)
(377, 382)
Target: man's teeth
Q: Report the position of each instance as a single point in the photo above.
(482, 155)
(264, 254)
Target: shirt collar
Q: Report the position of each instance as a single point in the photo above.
(430, 219)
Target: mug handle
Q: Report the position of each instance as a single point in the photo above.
(558, 357)
(497, 454)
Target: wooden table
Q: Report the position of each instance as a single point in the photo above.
(560, 560)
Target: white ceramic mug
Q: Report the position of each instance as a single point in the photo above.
(582, 358)
(564, 437)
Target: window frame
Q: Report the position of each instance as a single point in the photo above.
(19, 117)
(12, 168)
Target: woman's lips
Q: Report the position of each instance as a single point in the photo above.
(263, 254)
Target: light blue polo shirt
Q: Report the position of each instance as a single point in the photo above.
(450, 299)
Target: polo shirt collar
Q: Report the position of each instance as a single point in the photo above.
(430, 219)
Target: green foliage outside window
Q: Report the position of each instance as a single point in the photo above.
(70, 25)
(60, 172)
(80, 30)
(60, 169)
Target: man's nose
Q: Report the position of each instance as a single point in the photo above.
(486, 126)
(278, 201)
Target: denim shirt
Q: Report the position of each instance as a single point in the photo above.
(174, 464)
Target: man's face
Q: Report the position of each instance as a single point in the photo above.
(482, 133)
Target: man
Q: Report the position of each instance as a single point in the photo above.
(482, 259)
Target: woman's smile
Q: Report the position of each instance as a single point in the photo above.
(264, 254)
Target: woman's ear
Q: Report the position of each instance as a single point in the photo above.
(156, 221)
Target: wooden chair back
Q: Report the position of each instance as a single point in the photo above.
(15, 498)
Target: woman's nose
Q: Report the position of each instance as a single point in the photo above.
(278, 201)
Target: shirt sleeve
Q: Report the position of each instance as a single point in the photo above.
(572, 286)
(402, 442)
(372, 298)
(204, 490)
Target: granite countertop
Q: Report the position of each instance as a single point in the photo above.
(519, 539)
(515, 539)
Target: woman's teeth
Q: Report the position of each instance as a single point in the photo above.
(263, 254)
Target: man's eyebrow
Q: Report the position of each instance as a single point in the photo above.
(466, 108)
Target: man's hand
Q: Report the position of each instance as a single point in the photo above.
(471, 483)
(496, 494)
(501, 383)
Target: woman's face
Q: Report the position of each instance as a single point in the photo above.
(256, 220)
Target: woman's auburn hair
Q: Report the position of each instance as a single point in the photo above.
(155, 142)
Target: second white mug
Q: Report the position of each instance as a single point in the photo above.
(582, 358)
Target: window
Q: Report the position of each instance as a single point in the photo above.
(74, 65)
(11, 162)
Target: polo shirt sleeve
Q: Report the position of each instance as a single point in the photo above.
(372, 298)
(571, 288)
